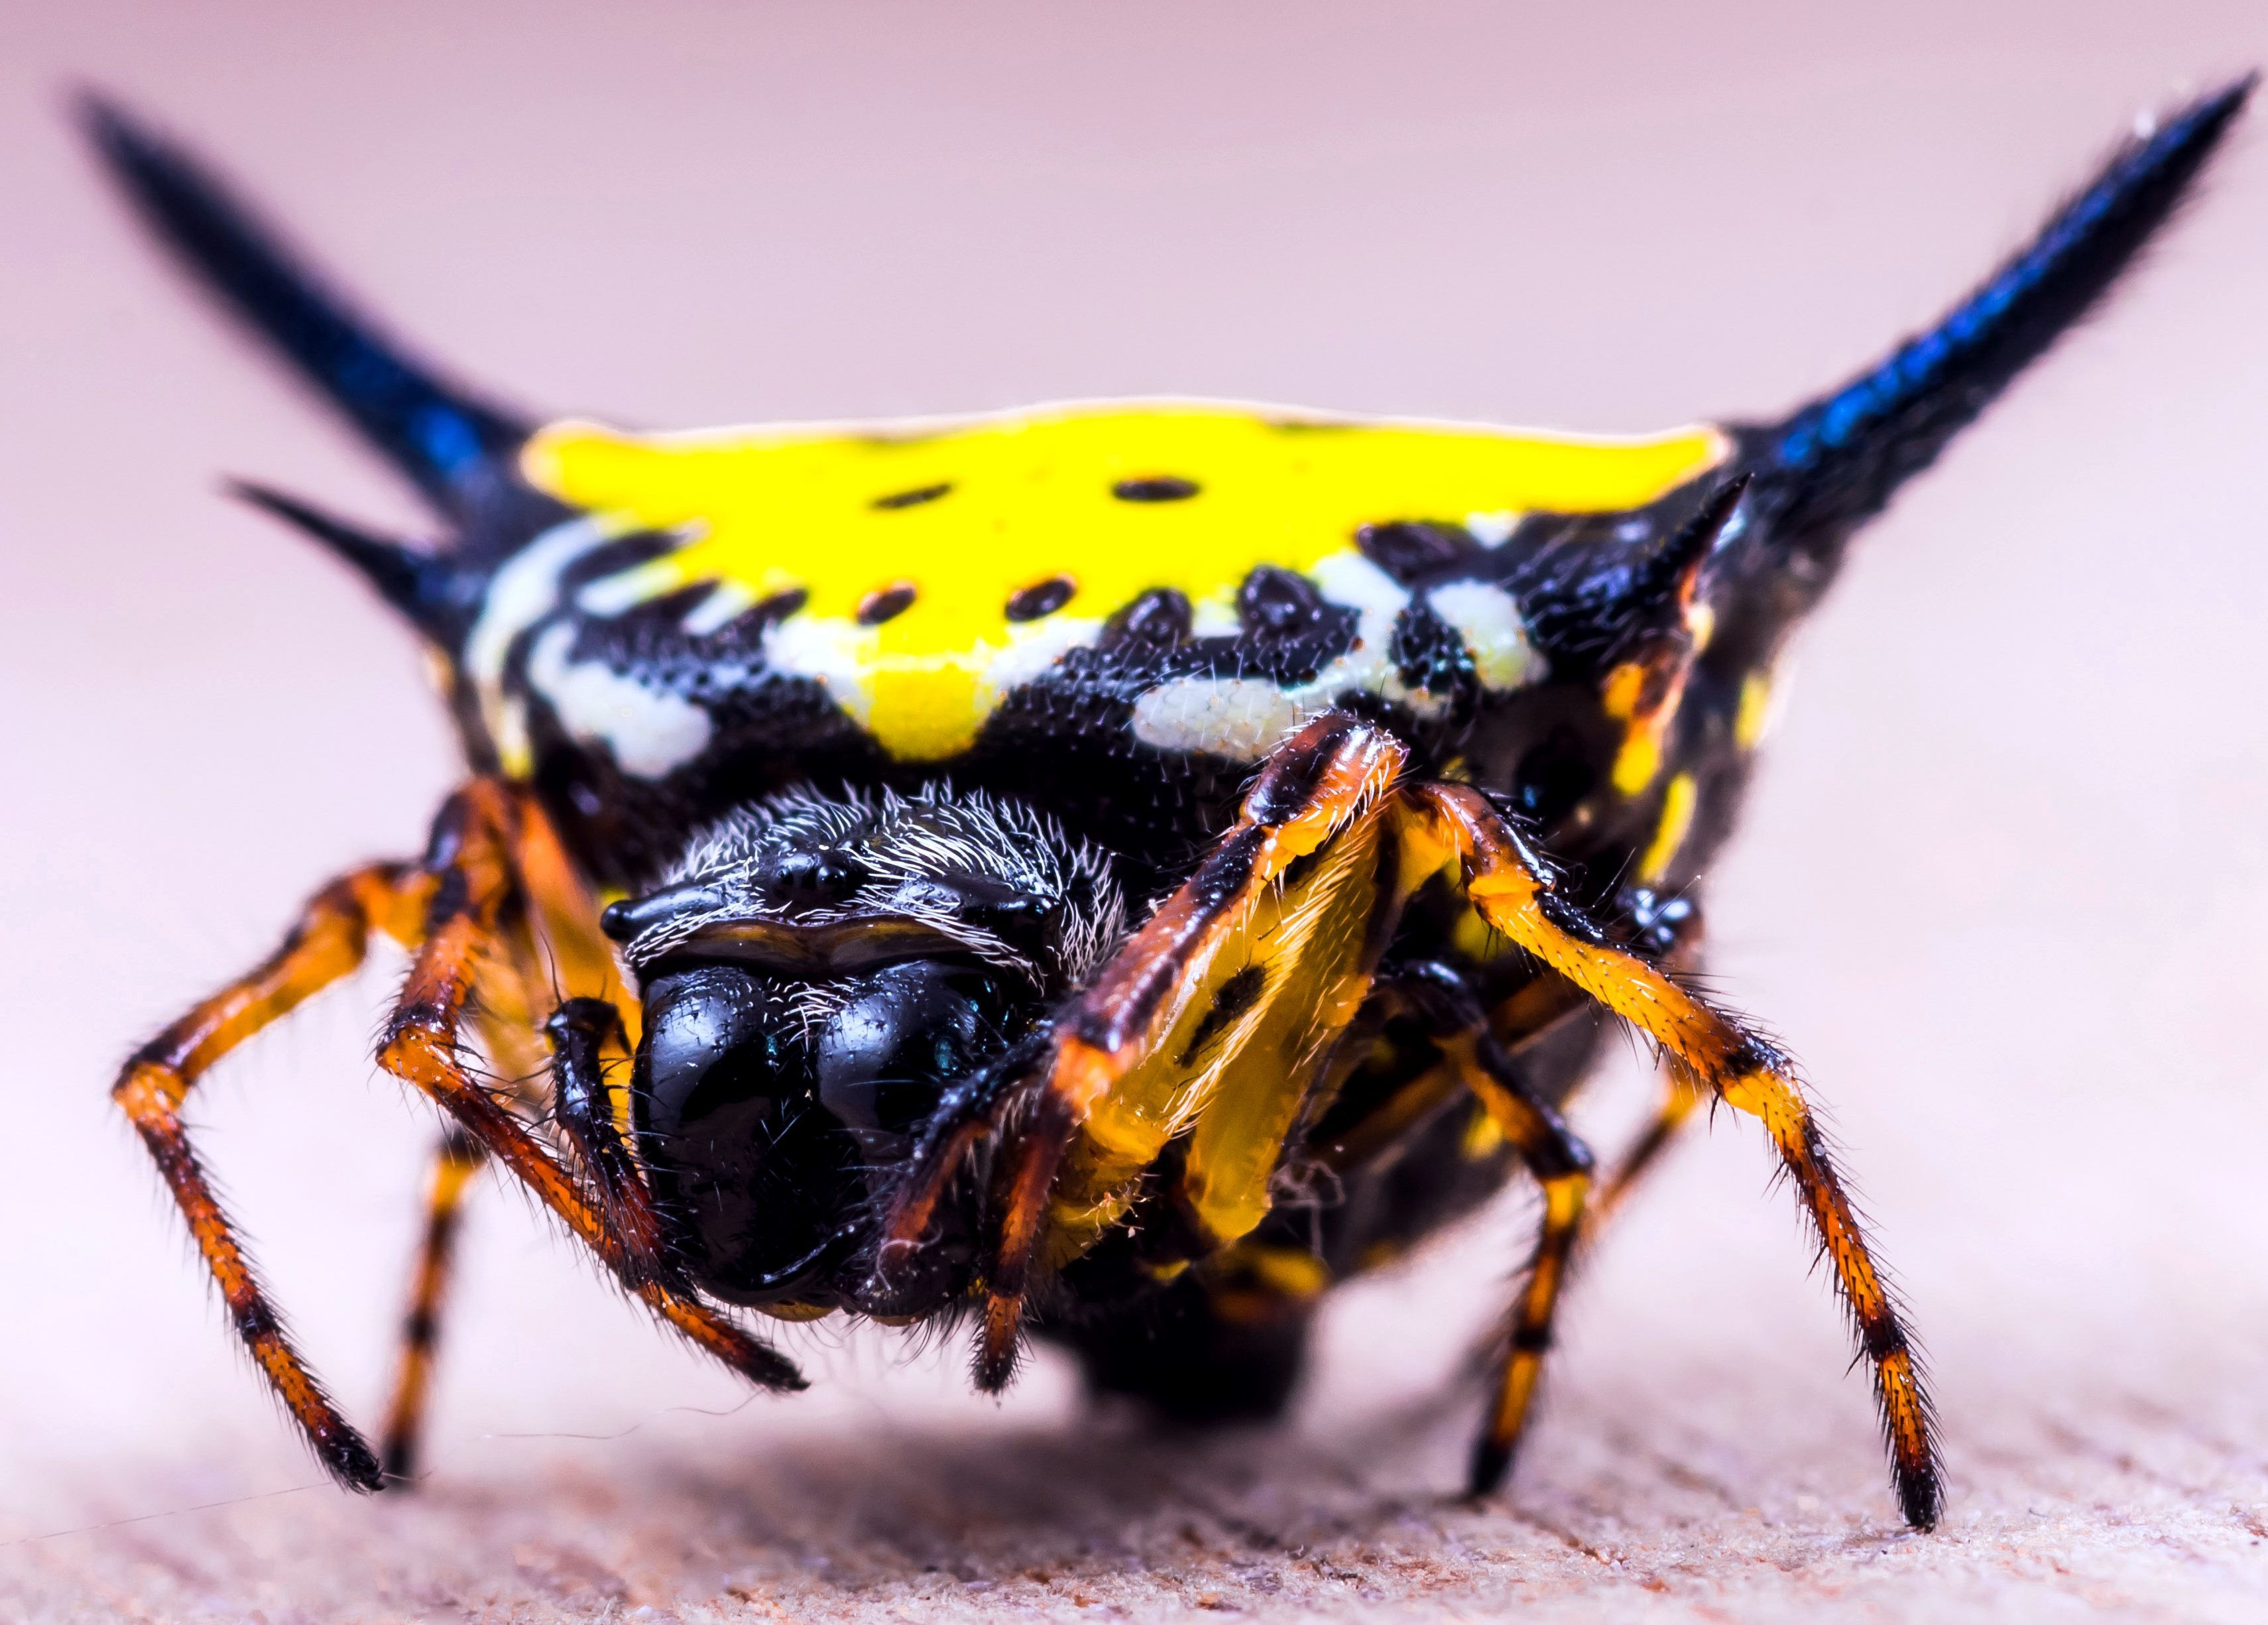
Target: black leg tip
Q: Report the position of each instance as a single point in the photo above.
(1921, 1497)
(1491, 1461)
(994, 1364)
(401, 1464)
(993, 1372)
(768, 1368)
(349, 1461)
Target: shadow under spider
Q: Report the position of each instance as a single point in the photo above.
(971, 1501)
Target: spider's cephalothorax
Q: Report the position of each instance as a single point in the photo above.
(817, 973)
(1116, 867)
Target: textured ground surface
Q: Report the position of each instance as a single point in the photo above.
(2002, 887)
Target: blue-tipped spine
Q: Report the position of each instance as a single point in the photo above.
(1835, 463)
(453, 447)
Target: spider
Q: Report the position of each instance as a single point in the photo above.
(1110, 870)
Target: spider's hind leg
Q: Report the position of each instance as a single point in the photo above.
(455, 1161)
(1561, 1164)
(1713, 1053)
(1472, 1059)
(330, 943)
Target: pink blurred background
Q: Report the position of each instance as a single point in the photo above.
(2003, 885)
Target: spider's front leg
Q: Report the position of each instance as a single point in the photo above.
(1256, 948)
(477, 892)
(453, 911)
(330, 943)
(1716, 1054)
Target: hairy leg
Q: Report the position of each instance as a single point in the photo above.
(1714, 1052)
(1562, 1166)
(455, 1161)
(476, 893)
(1147, 1001)
(329, 943)
(457, 912)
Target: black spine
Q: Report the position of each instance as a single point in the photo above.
(453, 448)
(432, 590)
(1835, 462)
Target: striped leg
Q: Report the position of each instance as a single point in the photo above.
(1317, 784)
(1671, 933)
(330, 943)
(1474, 1060)
(1715, 1053)
(1439, 999)
(476, 895)
(1562, 1166)
(455, 1162)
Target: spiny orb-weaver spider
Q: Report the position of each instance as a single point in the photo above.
(1117, 868)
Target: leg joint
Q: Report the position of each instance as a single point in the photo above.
(1881, 1336)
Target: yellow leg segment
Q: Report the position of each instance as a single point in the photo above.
(1714, 1053)
(1562, 1166)
(1150, 1005)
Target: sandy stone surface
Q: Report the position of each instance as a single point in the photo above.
(2001, 888)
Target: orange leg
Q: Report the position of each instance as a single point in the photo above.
(329, 943)
(455, 1164)
(457, 912)
(1318, 781)
(1562, 1166)
(475, 894)
(1716, 1053)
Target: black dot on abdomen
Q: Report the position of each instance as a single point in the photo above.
(1277, 603)
(886, 604)
(1155, 488)
(1410, 550)
(1042, 598)
(913, 498)
(1159, 619)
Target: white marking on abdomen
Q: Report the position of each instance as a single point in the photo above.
(1239, 717)
(1493, 528)
(651, 733)
(830, 650)
(1489, 620)
(727, 602)
(524, 590)
(1244, 717)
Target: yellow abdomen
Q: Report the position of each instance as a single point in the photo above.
(934, 567)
